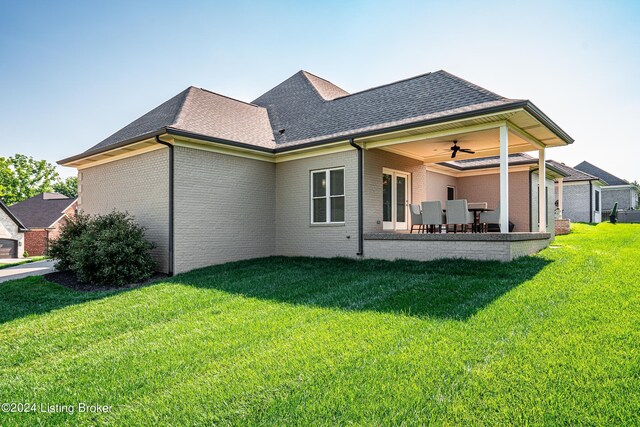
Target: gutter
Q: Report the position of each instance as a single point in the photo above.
(360, 201)
(171, 204)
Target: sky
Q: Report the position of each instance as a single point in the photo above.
(72, 73)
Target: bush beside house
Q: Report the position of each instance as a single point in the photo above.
(104, 250)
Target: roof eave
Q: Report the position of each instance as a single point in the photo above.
(540, 116)
(124, 143)
(525, 104)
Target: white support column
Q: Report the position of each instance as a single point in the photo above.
(504, 179)
(560, 185)
(542, 199)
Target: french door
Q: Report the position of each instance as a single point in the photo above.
(396, 196)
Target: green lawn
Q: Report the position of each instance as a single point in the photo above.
(552, 339)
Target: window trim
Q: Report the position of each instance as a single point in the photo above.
(597, 200)
(328, 196)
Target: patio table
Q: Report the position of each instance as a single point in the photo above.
(476, 217)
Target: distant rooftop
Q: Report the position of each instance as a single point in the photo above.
(605, 176)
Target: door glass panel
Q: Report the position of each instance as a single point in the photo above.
(386, 197)
(401, 184)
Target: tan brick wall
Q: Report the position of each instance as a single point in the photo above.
(295, 236)
(437, 184)
(224, 208)
(138, 185)
(486, 188)
(374, 161)
(527, 247)
(432, 250)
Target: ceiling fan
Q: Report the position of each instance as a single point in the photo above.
(455, 148)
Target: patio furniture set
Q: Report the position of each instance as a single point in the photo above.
(429, 217)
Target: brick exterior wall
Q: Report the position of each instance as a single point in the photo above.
(295, 236)
(225, 209)
(425, 250)
(625, 197)
(562, 226)
(374, 161)
(486, 188)
(138, 185)
(35, 242)
(575, 200)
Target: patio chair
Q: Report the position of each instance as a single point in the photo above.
(487, 218)
(432, 215)
(458, 215)
(416, 218)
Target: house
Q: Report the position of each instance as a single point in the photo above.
(43, 214)
(579, 194)
(615, 190)
(11, 234)
(308, 169)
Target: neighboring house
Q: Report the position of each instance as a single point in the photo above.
(616, 190)
(11, 234)
(581, 195)
(308, 169)
(44, 214)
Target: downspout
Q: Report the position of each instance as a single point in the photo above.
(360, 202)
(590, 202)
(530, 201)
(171, 164)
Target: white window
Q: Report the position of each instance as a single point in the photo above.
(327, 196)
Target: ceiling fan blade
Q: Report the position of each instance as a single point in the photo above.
(466, 150)
(453, 155)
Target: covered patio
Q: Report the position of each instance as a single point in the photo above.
(496, 135)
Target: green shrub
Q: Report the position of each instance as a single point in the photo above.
(60, 249)
(25, 254)
(105, 249)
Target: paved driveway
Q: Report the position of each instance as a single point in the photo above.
(24, 270)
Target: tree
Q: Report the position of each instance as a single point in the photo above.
(68, 187)
(22, 177)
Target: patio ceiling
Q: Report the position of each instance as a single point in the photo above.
(432, 144)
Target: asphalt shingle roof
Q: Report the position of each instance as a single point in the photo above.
(602, 174)
(572, 174)
(41, 211)
(12, 217)
(296, 106)
(201, 112)
(306, 108)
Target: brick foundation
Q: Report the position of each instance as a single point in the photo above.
(563, 226)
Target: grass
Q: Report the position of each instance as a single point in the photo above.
(552, 339)
(24, 261)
